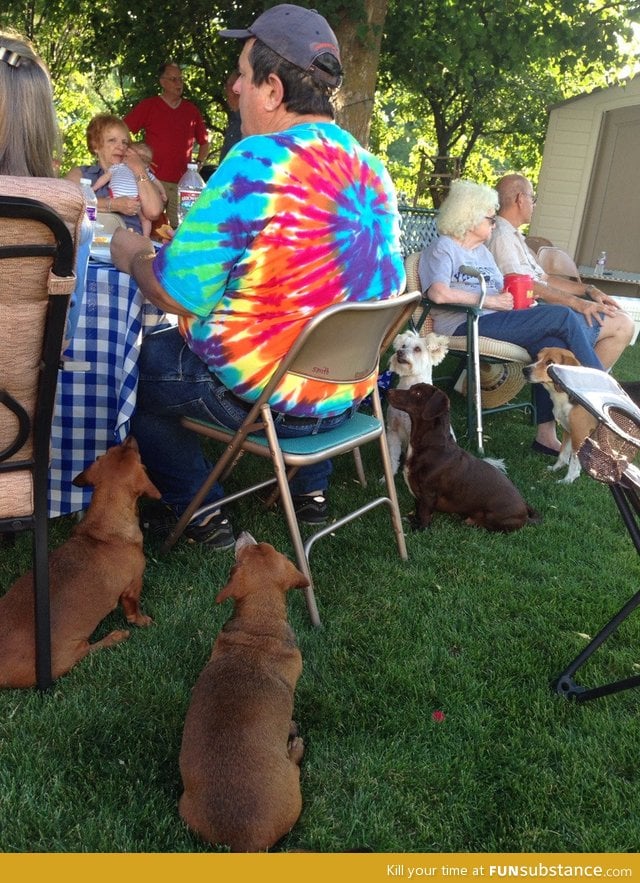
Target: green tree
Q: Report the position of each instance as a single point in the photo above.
(463, 82)
(480, 79)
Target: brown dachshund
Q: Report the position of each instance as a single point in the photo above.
(100, 564)
(445, 478)
(240, 755)
(576, 422)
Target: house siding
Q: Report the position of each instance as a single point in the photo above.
(567, 164)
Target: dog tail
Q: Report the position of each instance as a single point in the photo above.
(499, 464)
(534, 517)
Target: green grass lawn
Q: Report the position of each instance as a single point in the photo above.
(474, 625)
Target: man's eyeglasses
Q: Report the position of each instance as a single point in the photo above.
(491, 219)
(171, 79)
(532, 197)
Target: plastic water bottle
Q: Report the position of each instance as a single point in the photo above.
(190, 186)
(92, 203)
(601, 263)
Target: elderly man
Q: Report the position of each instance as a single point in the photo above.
(297, 217)
(611, 328)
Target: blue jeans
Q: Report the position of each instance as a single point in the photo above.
(175, 383)
(541, 326)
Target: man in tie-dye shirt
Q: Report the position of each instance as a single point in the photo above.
(297, 217)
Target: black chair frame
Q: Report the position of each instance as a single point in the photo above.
(624, 484)
(62, 254)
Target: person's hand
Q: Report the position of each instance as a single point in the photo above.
(502, 301)
(601, 298)
(125, 205)
(592, 310)
(125, 245)
(133, 159)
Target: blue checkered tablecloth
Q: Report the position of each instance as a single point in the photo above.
(96, 393)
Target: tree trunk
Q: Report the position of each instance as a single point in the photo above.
(360, 56)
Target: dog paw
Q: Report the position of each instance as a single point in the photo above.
(140, 619)
(109, 640)
(296, 749)
(416, 525)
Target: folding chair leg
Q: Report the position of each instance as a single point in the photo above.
(626, 500)
(294, 529)
(44, 677)
(357, 457)
(396, 517)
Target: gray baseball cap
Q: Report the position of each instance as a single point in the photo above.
(297, 34)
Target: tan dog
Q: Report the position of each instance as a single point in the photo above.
(445, 478)
(100, 564)
(575, 421)
(240, 755)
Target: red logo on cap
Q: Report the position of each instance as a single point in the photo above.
(318, 47)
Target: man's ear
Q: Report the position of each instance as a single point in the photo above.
(275, 93)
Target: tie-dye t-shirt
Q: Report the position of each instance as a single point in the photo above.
(289, 224)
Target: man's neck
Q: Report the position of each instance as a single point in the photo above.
(283, 121)
(511, 217)
(172, 102)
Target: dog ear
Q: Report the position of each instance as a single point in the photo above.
(84, 478)
(438, 404)
(146, 488)
(298, 579)
(234, 586)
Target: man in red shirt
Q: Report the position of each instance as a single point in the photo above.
(172, 126)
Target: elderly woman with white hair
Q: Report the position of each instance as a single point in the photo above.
(465, 222)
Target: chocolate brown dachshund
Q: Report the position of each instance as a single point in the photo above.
(445, 478)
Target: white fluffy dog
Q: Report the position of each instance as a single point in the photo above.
(413, 361)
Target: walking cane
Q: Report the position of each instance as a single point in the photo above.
(475, 353)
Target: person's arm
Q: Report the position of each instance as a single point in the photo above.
(202, 137)
(203, 153)
(74, 175)
(568, 293)
(134, 255)
(438, 269)
(102, 180)
(440, 293)
(124, 205)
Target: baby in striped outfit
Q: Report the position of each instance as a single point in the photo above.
(122, 181)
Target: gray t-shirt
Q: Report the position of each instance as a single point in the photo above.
(441, 262)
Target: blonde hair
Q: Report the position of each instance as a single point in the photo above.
(466, 206)
(29, 133)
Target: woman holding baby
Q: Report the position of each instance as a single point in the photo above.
(109, 139)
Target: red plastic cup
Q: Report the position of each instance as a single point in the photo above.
(521, 287)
